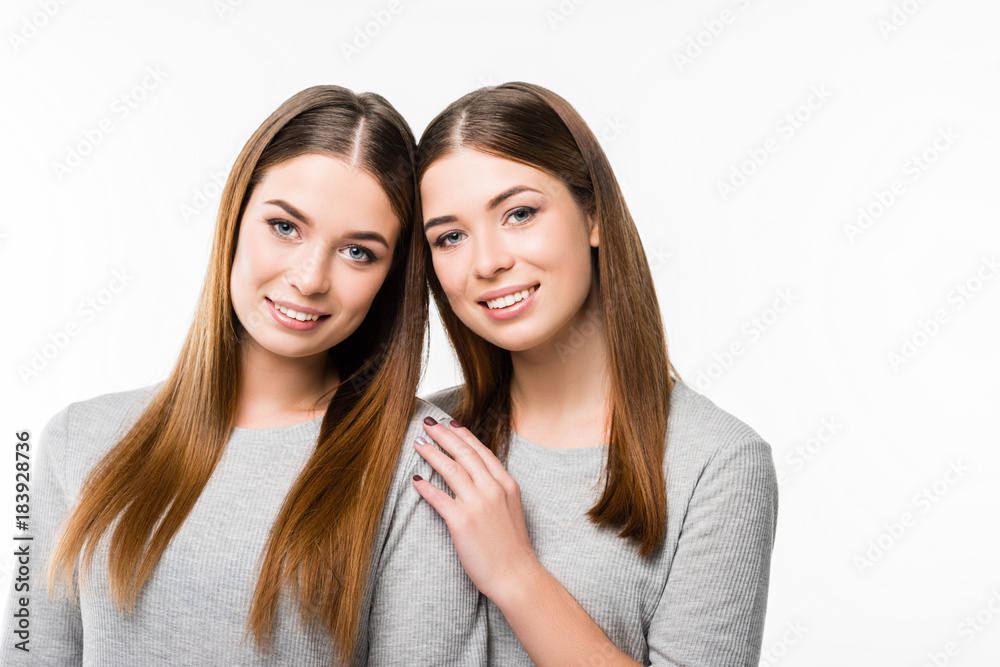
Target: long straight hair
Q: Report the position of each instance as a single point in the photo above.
(531, 125)
(321, 542)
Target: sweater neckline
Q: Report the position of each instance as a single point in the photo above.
(565, 454)
(291, 429)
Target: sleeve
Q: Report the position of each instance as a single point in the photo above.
(50, 631)
(425, 610)
(712, 608)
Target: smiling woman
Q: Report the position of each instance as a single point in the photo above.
(243, 510)
(608, 512)
(482, 244)
(315, 245)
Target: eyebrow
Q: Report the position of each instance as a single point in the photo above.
(442, 220)
(493, 203)
(508, 193)
(368, 236)
(290, 210)
(354, 236)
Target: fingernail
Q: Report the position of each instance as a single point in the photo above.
(421, 440)
(455, 424)
(430, 421)
(417, 478)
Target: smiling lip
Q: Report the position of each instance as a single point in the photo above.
(291, 322)
(297, 308)
(518, 307)
(504, 291)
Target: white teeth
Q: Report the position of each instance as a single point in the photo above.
(510, 299)
(295, 315)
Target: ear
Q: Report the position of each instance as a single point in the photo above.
(595, 232)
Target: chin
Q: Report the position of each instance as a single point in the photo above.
(512, 341)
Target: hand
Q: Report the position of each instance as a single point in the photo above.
(484, 518)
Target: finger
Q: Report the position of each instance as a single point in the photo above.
(454, 474)
(442, 503)
(461, 451)
(493, 464)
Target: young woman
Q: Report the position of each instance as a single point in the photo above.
(635, 519)
(236, 513)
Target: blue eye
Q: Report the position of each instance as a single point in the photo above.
(360, 254)
(451, 238)
(522, 213)
(282, 228)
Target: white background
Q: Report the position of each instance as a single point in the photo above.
(685, 96)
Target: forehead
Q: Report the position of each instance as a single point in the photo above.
(472, 177)
(328, 190)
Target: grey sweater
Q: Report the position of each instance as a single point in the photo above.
(193, 609)
(699, 599)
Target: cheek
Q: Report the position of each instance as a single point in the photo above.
(451, 274)
(357, 289)
(252, 265)
(563, 260)
(239, 277)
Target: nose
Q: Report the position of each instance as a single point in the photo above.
(492, 256)
(310, 272)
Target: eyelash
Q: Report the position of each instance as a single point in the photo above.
(440, 242)
(273, 224)
(368, 253)
(530, 209)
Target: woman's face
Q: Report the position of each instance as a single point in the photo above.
(315, 244)
(511, 248)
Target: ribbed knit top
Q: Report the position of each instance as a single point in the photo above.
(699, 600)
(193, 609)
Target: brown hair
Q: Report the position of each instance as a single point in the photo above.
(528, 124)
(322, 539)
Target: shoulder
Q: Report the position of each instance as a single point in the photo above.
(708, 447)
(446, 399)
(425, 408)
(698, 428)
(409, 462)
(108, 415)
(422, 409)
(82, 432)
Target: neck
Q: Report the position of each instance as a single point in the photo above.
(560, 390)
(281, 391)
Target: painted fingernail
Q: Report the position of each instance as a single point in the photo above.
(430, 421)
(417, 478)
(455, 424)
(421, 440)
